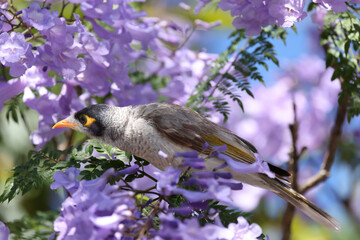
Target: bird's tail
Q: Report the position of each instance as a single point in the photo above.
(300, 202)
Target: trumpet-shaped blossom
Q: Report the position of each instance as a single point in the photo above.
(15, 53)
(12, 47)
(173, 228)
(4, 231)
(95, 210)
(335, 5)
(66, 180)
(168, 180)
(51, 108)
(33, 78)
(39, 18)
(213, 185)
(241, 230)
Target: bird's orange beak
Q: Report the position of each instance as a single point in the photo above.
(64, 123)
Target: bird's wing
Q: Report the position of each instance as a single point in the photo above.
(188, 128)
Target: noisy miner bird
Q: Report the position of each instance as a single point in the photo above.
(146, 129)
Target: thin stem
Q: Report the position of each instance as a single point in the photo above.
(293, 168)
(227, 70)
(64, 145)
(329, 157)
(64, 4)
(149, 176)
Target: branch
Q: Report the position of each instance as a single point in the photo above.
(293, 168)
(226, 71)
(64, 145)
(329, 157)
(294, 155)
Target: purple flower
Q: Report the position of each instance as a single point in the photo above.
(185, 70)
(207, 184)
(212, 190)
(200, 5)
(239, 167)
(287, 12)
(94, 79)
(241, 230)
(51, 108)
(173, 228)
(66, 180)
(129, 170)
(128, 94)
(168, 180)
(33, 78)
(12, 47)
(4, 231)
(252, 15)
(184, 6)
(39, 18)
(64, 61)
(143, 32)
(4, 15)
(318, 16)
(191, 159)
(59, 36)
(96, 210)
(206, 25)
(15, 53)
(335, 5)
(190, 229)
(95, 49)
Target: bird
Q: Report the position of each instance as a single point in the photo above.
(144, 130)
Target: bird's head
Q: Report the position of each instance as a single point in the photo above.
(90, 120)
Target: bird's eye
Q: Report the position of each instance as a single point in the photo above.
(83, 119)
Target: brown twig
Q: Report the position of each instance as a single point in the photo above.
(64, 145)
(329, 157)
(324, 172)
(293, 168)
(294, 155)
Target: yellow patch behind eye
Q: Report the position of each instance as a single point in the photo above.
(89, 120)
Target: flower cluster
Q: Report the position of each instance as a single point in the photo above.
(335, 5)
(217, 184)
(96, 209)
(173, 228)
(252, 15)
(55, 50)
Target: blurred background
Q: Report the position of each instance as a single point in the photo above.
(301, 79)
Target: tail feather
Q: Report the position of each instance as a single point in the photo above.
(300, 202)
(281, 189)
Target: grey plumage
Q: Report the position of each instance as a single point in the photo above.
(146, 129)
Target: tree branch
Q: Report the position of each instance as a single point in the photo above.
(329, 157)
(293, 168)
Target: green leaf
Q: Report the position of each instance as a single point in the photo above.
(14, 105)
(347, 46)
(312, 6)
(38, 227)
(89, 149)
